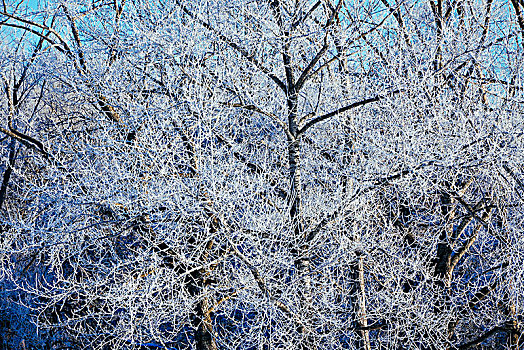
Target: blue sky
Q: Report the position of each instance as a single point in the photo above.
(31, 3)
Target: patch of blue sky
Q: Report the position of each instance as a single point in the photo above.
(31, 5)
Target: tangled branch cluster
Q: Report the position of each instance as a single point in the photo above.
(291, 174)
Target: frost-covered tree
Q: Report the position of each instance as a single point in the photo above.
(262, 174)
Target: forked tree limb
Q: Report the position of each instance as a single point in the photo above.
(255, 168)
(261, 283)
(82, 69)
(465, 247)
(306, 73)
(346, 47)
(303, 18)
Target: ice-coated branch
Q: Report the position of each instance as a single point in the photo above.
(249, 57)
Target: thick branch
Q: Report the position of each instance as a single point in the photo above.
(306, 73)
(261, 111)
(456, 258)
(30, 30)
(468, 208)
(482, 293)
(7, 173)
(342, 110)
(485, 336)
(108, 110)
(303, 18)
(41, 26)
(76, 36)
(27, 141)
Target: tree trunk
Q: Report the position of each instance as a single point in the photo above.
(204, 338)
(358, 299)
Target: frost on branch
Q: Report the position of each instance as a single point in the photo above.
(261, 174)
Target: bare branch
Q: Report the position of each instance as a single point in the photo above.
(515, 177)
(468, 208)
(306, 15)
(342, 110)
(41, 26)
(340, 53)
(484, 337)
(259, 110)
(465, 247)
(254, 167)
(520, 18)
(27, 141)
(260, 282)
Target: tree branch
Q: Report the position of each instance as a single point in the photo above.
(306, 73)
(41, 26)
(338, 55)
(520, 18)
(456, 258)
(261, 111)
(253, 167)
(468, 208)
(303, 18)
(483, 337)
(249, 57)
(382, 181)
(398, 18)
(7, 172)
(27, 141)
(76, 36)
(512, 174)
(50, 41)
(342, 110)
(482, 293)
(260, 282)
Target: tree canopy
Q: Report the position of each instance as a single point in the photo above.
(291, 174)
